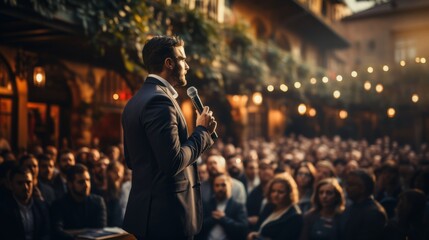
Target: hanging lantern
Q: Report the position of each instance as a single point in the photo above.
(39, 76)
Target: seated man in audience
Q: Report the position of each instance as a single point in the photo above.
(23, 216)
(77, 209)
(59, 182)
(365, 218)
(40, 190)
(217, 164)
(224, 218)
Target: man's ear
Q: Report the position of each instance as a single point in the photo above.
(169, 63)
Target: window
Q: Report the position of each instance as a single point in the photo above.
(405, 50)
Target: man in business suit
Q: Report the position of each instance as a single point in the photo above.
(224, 218)
(23, 216)
(165, 198)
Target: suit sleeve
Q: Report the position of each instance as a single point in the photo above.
(236, 225)
(160, 122)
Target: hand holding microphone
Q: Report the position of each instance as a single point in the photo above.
(205, 116)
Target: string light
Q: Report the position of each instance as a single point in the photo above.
(385, 68)
(415, 98)
(284, 88)
(270, 88)
(367, 85)
(115, 96)
(312, 112)
(343, 114)
(313, 81)
(354, 74)
(423, 60)
(370, 69)
(336, 94)
(325, 79)
(339, 78)
(297, 85)
(391, 112)
(402, 63)
(302, 109)
(379, 88)
(417, 60)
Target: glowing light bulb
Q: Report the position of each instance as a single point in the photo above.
(284, 88)
(367, 85)
(337, 94)
(391, 112)
(379, 88)
(302, 109)
(343, 114)
(415, 98)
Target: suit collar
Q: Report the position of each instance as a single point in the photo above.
(153, 78)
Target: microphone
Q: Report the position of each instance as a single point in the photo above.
(193, 95)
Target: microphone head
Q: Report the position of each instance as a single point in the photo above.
(192, 92)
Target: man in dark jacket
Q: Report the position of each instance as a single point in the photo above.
(23, 216)
(77, 209)
(365, 218)
(224, 218)
(165, 197)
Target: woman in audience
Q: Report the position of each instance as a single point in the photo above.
(281, 218)
(321, 222)
(305, 177)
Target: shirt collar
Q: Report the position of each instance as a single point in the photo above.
(170, 88)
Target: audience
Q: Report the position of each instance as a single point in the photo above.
(400, 172)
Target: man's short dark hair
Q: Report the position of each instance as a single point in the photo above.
(74, 170)
(16, 170)
(157, 49)
(44, 158)
(367, 179)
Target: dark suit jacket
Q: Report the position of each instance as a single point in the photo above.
(364, 220)
(11, 225)
(67, 214)
(165, 197)
(234, 223)
(288, 226)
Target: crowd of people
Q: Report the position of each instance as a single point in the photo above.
(289, 188)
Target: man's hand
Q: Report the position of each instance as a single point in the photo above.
(218, 214)
(207, 120)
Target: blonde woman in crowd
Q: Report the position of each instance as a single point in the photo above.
(321, 222)
(281, 218)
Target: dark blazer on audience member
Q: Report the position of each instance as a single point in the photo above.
(310, 219)
(254, 204)
(234, 223)
(363, 221)
(165, 198)
(68, 214)
(11, 225)
(288, 226)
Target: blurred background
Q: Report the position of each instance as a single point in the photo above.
(357, 69)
